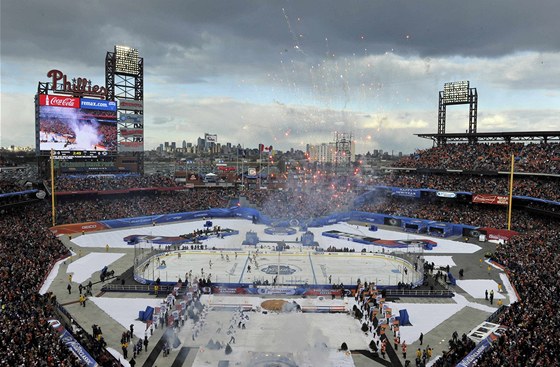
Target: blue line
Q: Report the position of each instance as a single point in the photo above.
(244, 267)
(312, 269)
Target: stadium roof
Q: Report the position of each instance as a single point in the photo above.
(507, 137)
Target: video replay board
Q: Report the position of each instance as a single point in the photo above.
(76, 127)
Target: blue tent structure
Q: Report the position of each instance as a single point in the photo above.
(404, 319)
(146, 315)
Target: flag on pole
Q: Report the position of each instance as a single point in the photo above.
(266, 149)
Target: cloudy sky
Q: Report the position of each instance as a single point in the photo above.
(292, 72)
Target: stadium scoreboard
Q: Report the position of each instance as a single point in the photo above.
(79, 154)
(456, 92)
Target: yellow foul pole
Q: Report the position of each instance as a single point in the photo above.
(510, 192)
(53, 213)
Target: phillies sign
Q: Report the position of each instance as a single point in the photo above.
(58, 101)
(62, 84)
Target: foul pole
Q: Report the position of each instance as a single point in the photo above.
(510, 192)
(53, 208)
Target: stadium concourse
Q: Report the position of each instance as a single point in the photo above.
(29, 253)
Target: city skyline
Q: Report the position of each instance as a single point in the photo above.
(289, 74)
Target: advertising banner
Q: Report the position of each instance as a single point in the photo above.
(446, 194)
(404, 192)
(131, 104)
(131, 118)
(78, 228)
(71, 343)
(58, 101)
(131, 146)
(473, 356)
(490, 199)
(125, 132)
(498, 234)
(98, 104)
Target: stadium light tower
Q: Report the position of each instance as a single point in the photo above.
(124, 81)
(454, 93)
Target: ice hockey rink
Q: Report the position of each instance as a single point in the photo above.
(226, 260)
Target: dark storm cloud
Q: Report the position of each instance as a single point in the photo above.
(249, 33)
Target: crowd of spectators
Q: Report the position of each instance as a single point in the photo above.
(27, 250)
(479, 215)
(533, 157)
(8, 186)
(112, 182)
(541, 187)
(534, 322)
(84, 209)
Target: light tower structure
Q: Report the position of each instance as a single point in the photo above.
(454, 93)
(124, 81)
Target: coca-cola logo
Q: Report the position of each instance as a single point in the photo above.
(64, 102)
(59, 101)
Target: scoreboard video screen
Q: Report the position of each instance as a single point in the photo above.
(76, 126)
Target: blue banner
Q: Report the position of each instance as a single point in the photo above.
(71, 343)
(18, 193)
(473, 356)
(405, 192)
(98, 104)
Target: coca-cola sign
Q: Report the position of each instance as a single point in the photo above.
(58, 101)
(61, 83)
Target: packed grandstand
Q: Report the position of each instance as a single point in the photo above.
(28, 249)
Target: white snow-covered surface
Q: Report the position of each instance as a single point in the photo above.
(487, 261)
(114, 238)
(84, 267)
(125, 311)
(509, 288)
(51, 277)
(118, 356)
(440, 260)
(476, 287)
